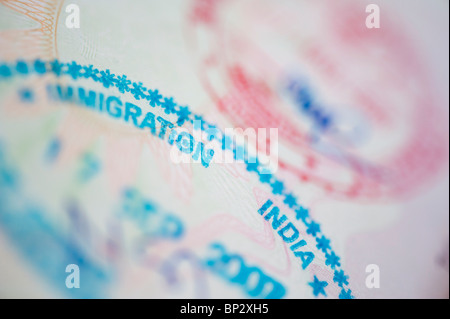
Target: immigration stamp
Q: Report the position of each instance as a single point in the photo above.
(345, 98)
(161, 121)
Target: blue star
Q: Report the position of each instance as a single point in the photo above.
(138, 90)
(252, 167)
(290, 200)
(346, 294)
(74, 70)
(318, 287)
(22, 67)
(56, 67)
(332, 260)
(154, 97)
(90, 72)
(277, 187)
(39, 66)
(302, 213)
(340, 278)
(313, 228)
(107, 78)
(5, 71)
(265, 178)
(183, 115)
(323, 244)
(168, 105)
(123, 84)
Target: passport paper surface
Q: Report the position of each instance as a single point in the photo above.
(224, 149)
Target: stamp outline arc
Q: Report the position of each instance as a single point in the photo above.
(183, 114)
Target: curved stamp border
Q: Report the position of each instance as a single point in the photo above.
(184, 115)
